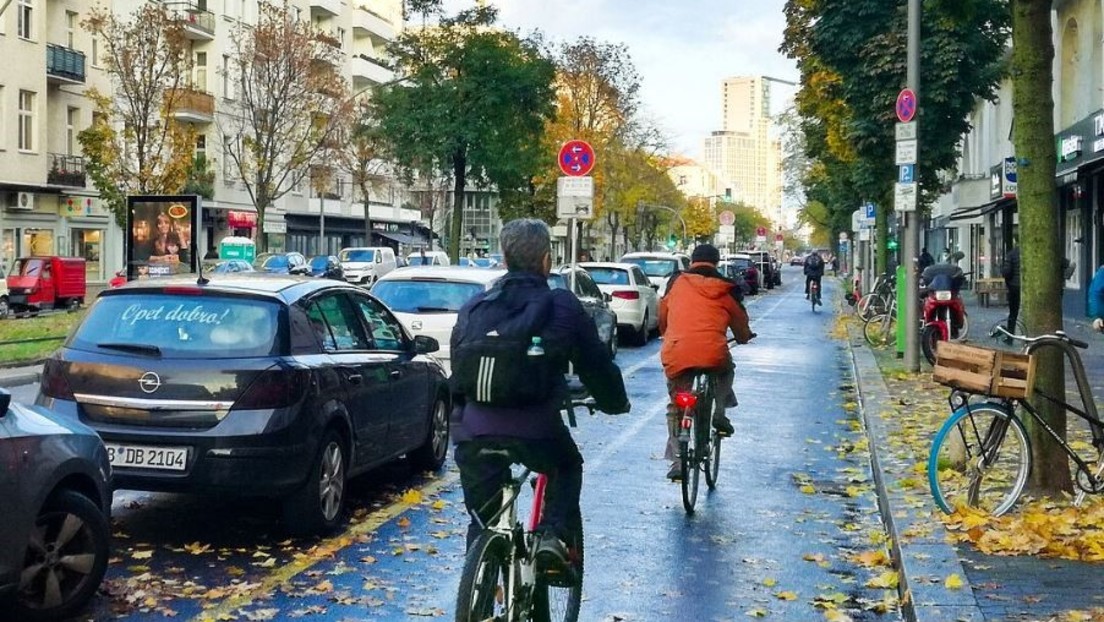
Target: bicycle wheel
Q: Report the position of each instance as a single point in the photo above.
(881, 330)
(689, 457)
(1020, 328)
(869, 306)
(485, 583)
(980, 458)
(710, 443)
(813, 298)
(561, 604)
(929, 337)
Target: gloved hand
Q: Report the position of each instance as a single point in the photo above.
(1098, 325)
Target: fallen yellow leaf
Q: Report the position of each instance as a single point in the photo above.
(412, 496)
(786, 596)
(770, 582)
(953, 582)
(142, 554)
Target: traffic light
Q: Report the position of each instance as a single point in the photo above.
(891, 243)
(672, 241)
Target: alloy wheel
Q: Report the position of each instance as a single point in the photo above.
(60, 557)
(332, 485)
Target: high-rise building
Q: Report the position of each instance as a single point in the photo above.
(744, 152)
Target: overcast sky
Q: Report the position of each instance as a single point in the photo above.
(682, 49)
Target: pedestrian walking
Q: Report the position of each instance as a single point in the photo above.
(1010, 270)
(926, 259)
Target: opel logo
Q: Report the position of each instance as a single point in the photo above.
(149, 382)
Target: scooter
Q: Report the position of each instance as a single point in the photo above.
(944, 313)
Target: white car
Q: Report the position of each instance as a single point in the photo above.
(658, 266)
(427, 299)
(428, 258)
(633, 297)
(364, 265)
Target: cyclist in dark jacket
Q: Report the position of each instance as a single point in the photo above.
(490, 438)
(814, 270)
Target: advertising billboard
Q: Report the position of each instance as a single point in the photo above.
(161, 235)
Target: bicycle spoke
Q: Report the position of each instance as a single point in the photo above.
(981, 459)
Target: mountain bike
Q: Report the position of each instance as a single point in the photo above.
(814, 295)
(499, 581)
(981, 456)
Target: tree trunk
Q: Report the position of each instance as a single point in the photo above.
(881, 250)
(367, 217)
(456, 232)
(1040, 251)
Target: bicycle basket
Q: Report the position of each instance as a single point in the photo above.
(983, 370)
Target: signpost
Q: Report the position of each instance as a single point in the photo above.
(576, 158)
(906, 106)
(760, 235)
(575, 192)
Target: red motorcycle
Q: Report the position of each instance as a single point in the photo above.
(944, 312)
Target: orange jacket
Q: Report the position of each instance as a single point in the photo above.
(694, 318)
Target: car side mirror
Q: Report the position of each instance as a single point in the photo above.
(606, 296)
(5, 402)
(655, 286)
(425, 345)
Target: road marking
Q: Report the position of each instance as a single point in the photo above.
(295, 567)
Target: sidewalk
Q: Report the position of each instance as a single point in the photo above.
(941, 581)
(19, 376)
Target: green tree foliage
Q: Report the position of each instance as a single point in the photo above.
(851, 54)
(135, 145)
(473, 105)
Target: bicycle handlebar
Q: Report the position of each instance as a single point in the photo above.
(1058, 335)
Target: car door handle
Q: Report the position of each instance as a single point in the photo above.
(354, 377)
(396, 374)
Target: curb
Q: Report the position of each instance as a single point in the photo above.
(926, 559)
(21, 377)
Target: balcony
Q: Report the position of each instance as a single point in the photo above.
(64, 65)
(327, 8)
(66, 170)
(367, 71)
(367, 23)
(199, 24)
(192, 106)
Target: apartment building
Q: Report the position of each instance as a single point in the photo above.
(47, 203)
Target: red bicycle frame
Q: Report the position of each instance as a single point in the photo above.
(537, 512)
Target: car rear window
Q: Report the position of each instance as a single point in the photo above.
(275, 261)
(319, 263)
(425, 296)
(181, 326)
(609, 276)
(361, 255)
(654, 267)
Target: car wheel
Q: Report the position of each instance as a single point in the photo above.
(4, 308)
(65, 559)
(613, 342)
(640, 335)
(431, 455)
(317, 506)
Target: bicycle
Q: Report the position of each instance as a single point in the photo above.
(881, 330)
(499, 581)
(877, 301)
(1020, 329)
(981, 456)
(814, 294)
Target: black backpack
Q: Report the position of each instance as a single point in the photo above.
(491, 364)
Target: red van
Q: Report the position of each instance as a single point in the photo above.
(37, 283)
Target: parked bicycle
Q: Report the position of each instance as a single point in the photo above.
(1020, 329)
(981, 457)
(878, 300)
(881, 330)
(499, 581)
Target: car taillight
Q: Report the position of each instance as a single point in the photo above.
(685, 399)
(275, 388)
(53, 383)
(627, 295)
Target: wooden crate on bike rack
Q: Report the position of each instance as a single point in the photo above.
(983, 370)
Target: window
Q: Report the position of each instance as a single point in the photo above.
(87, 243)
(24, 16)
(341, 38)
(72, 121)
(387, 333)
(26, 120)
(201, 145)
(95, 51)
(336, 325)
(227, 83)
(70, 29)
(200, 72)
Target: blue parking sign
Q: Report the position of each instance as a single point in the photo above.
(906, 174)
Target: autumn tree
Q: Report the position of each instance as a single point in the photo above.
(1033, 137)
(360, 154)
(135, 145)
(472, 105)
(289, 105)
(701, 218)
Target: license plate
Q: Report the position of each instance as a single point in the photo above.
(147, 457)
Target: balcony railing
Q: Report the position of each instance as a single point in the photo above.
(373, 24)
(194, 106)
(366, 69)
(64, 64)
(198, 23)
(66, 170)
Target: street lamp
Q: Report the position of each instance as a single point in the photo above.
(641, 205)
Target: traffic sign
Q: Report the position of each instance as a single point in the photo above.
(906, 174)
(871, 211)
(906, 152)
(904, 197)
(761, 232)
(575, 197)
(727, 218)
(906, 106)
(905, 131)
(576, 158)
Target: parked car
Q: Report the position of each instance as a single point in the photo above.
(232, 266)
(265, 386)
(765, 262)
(426, 299)
(365, 265)
(326, 267)
(658, 266)
(485, 263)
(37, 283)
(282, 263)
(594, 301)
(55, 542)
(797, 260)
(742, 270)
(633, 297)
(428, 258)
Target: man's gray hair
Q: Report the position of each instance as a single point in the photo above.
(525, 242)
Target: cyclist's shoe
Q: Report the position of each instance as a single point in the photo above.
(675, 472)
(553, 562)
(722, 425)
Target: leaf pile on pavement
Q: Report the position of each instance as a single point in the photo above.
(1039, 527)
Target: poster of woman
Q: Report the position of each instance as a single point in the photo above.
(160, 240)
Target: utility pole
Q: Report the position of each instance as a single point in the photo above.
(911, 246)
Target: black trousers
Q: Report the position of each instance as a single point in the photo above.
(485, 468)
(810, 279)
(1013, 308)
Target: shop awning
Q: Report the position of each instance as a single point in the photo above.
(401, 238)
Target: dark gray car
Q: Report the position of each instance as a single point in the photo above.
(56, 492)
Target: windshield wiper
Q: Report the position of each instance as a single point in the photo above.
(137, 348)
(434, 310)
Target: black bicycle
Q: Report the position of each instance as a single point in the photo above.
(814, 294)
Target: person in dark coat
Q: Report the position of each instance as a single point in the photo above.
(926, 259)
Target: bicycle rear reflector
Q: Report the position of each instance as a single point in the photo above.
(685, 399)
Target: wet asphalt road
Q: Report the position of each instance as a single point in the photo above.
(775, 539)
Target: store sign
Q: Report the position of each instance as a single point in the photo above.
(995, 186)
(1008, 179)
(243, 220)
(1080, 144)
(1069, 148)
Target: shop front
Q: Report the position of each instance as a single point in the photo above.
(1080, 179)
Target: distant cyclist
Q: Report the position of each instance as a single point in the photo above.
(695, 316)
(814, 270)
